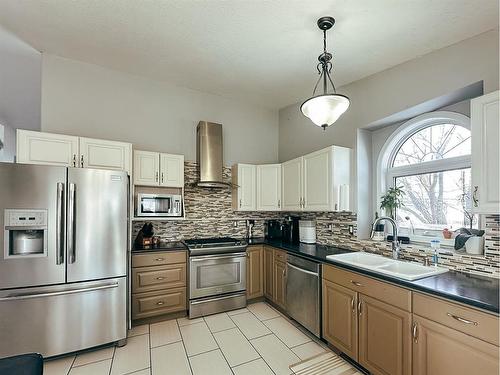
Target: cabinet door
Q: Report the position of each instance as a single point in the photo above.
(439, 350)
(146, 168)
(279, 279)
(269, 187)
(384, 337)
(485, 128)
(101, 154)
(245, 199)
(268, 273)
(46, 148)
(172, 170)
(340, 320)
(318, 181)
(291, 183)
(255, 270)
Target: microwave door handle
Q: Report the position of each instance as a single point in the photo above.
(60, 224)
(71, 223)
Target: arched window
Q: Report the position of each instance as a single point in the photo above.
(429, 157)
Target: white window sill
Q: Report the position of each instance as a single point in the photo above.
(424, 240)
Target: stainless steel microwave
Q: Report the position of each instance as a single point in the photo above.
(159, 205)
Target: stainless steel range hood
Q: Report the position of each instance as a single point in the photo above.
(209, 155)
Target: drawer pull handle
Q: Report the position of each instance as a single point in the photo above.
(462, 320)
(352, 305)
(159, 259)
(356, 283)
(160, 278)
(359, 307)
(159, 303)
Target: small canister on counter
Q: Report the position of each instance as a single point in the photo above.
(307, 231)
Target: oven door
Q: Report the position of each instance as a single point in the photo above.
(217, 274)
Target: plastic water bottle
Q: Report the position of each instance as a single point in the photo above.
(435, 246)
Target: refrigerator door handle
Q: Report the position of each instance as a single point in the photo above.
(71, 224)
(59, 224)
(20, 296)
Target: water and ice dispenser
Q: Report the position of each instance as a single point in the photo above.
(25, 233)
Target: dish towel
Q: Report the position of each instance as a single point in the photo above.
(324, 364)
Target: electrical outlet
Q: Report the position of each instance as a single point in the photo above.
(330, 227)
(235, 223)
(351, 230)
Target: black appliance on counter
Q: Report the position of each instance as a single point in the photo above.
(273, 229)
(291, 229)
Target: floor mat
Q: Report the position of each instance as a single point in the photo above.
(324, 364)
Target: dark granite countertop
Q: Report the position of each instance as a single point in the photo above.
(478, 291)
(163, 246)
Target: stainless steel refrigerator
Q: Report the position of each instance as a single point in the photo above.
(63, 264)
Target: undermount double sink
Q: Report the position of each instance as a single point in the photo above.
(387, 266)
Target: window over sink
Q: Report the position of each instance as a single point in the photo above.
(429, 157)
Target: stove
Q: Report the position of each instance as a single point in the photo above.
(217, 275)
(205, 246)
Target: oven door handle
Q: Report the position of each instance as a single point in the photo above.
(211, 257)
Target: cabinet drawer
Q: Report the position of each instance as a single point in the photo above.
(382, 291)
(158, 258)
(472, 322)
(156, 303)
(159, 277)
(279, 255)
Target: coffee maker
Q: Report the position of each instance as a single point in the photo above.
(273, 230)
(291, 229)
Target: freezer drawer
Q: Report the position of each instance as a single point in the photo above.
(62, 319)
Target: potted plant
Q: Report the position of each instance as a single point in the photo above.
(392, 200)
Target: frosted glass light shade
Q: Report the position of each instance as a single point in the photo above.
(324, 110)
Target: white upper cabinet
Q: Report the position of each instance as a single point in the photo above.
(244, 191)
(485, 134)
(327, 175)
(64, 150)
(101, 154)
(269, 187)
(291, 177)
(317, 179)
(46, 148)
(146, 168)
(158, 169)
(172, 170)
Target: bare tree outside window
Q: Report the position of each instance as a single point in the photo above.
(440, 198)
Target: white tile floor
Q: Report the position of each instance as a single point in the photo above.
(257, 340)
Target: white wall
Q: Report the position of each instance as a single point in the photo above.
(391, 91)
(92, 101)
(20, 90)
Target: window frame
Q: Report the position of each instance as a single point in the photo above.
(387, 174)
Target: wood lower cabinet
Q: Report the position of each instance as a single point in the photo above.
(255, 272)
(158, 283)
(391, 330)
(439, 350)
(340, 326)
(149, 304)
(279, 279)
(374, 333)
(384, 337)
(268, 273)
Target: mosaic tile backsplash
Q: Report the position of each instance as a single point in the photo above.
(209, 214)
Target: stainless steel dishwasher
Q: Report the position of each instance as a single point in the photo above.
(303, 292)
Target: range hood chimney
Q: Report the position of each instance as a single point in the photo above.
(209, 155)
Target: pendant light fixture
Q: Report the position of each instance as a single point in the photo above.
(324, 109)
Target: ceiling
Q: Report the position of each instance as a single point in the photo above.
(263, 51)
